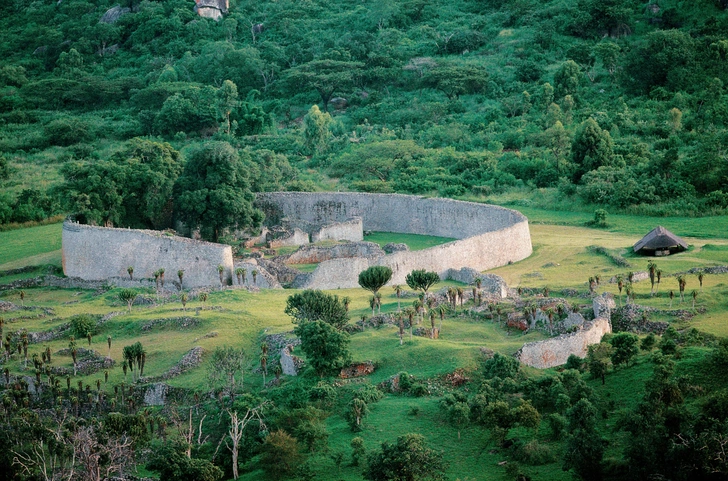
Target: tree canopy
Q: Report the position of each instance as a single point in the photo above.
(407, 459)
(213, 193)
(374, 278)
(315, 305)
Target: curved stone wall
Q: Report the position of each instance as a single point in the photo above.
(488, 236)
(99, 253)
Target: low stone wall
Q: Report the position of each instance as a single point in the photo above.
(314, 254)
(350, 230)
(99, 253)
(555, 351)
(296, 238)
(489, 236)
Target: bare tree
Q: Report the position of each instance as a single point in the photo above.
(237, 428)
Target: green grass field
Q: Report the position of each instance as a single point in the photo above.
(561, 259)
(414, 242)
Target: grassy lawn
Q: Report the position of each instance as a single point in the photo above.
(414, 241)
(32, 246)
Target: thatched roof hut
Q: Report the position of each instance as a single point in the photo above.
(660, 242)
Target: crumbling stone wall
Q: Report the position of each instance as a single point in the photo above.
(489, 236)
(294, 238)
(351, 230)
(99, 253)
(314, 254)
(555, 351)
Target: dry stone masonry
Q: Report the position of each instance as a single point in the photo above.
(488, 236)
(100, 253)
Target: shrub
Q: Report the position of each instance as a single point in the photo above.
(67, 131)
(534, 453)
(81, 325)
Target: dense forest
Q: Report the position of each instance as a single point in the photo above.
(616, 104)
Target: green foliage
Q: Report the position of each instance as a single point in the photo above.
(584, 447)
(173, 465)
(213, 193)
(408, 459)
(279, 454)
(315, 305)
(625, 348)
(316, 130)
(374, 278)
(128, 296)
(501, 366)
(66, 131)
(421, 279)
(326, 347)
(133, 188)
(82, 324)
(592, 148)
(598, 360)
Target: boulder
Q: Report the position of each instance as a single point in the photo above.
(395, 247)
(113, 14)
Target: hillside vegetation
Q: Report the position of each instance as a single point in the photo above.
(560, 103)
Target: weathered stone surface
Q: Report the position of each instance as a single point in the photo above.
(490, 284)
(190, 360)
(311, 254)
(395, 247)
(603, 305)
(489, 236)
(296, 237)
(555, 351)
(350, 230)
(213, 9)
(99, 253)
(113, 14)
(156, 394)
(263, 279)
(290, 364)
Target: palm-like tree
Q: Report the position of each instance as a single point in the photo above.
(460, 295)
(203, 297)
(658, 272)
(410, 312)
(652, 269)
(597, 279)
(592, 285)
(671, 294)
(255, 276)
(682, 282)
(346, 301)
(130, 270)
(629, 292)
(239, 274)
(221, 272)
(546, 291)
(161, 277)
(550, 312)
(22, 297)
(695, 295)
(183, 298)
(432, 324)
(630, 277)
(400, 323)
(180, 274)
(701, 276)
(128, 296)
(620, 286)
(398, 292)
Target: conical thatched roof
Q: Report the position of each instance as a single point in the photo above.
(660, 239)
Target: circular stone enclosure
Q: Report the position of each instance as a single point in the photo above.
(488, 236)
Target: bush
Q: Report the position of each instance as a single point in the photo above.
(534, 453)
(419, 389)
(648, 343)
(67, 131)
(574, 362)
(368, 393)
(81, 325)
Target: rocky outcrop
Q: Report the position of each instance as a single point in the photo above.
(358, 369)
(113, 14)
(290, 365)
(213, 9)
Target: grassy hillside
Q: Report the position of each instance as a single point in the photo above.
(562, 260)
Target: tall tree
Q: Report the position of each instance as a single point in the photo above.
(422, 280)
(326, 347)
(213, 192)
(374, 278)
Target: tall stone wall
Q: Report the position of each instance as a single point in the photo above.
(488, 236)
(98, 253)
(555, 351)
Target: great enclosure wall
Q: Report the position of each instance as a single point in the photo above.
(486, 236)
